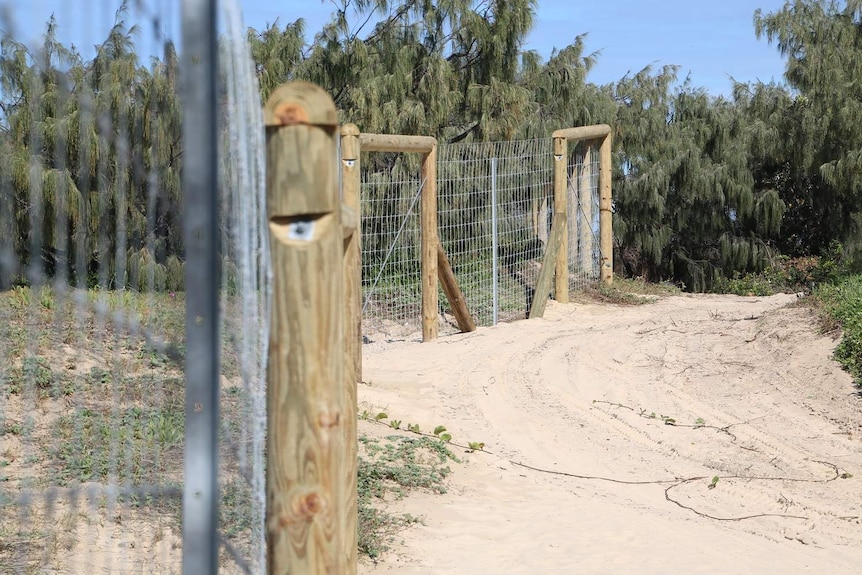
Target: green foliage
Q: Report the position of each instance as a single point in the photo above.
(747, 285)
(789, 275)
(842, 300)
(707, 191)
(393, 467)
(144, 436)
(82, 145)
(817, 159)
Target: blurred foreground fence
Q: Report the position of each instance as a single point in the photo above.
(132, 290)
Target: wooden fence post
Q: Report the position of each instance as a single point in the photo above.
(606, 211)
(453, 292)
(306, 483)
(543, 284)
(429, 245)
(561, 177)
(350, 188)
(427, 146)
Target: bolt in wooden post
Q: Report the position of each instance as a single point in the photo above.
(306, 483)
(605, 210)
(561, 177)
(429, 245)
(350, 191)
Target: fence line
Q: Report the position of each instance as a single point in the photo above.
(110, 379)
(495, 206)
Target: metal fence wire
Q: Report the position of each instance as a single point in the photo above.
(94, 250)
(583, 200)
(495, 207)
(134, 282)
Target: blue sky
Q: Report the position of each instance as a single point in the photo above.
(709, 40)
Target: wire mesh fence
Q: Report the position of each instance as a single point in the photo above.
(583, 199)
(495, 200)
(391, 299)
(495, 207)
(93, 302)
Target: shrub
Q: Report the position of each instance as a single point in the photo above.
(842, 300)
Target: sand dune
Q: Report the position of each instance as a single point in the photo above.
(754, 398)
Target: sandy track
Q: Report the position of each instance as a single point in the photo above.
(576, 393)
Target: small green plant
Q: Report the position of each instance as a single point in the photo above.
(147, 439)
(391, 468)
(235, 512)
(395, 424)
(440, 431)
(20, 298)
(713, 483)
(46, 297)
(699, 422)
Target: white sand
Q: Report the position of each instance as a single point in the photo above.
(532, 391)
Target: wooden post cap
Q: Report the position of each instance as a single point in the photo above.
(300, 103)
(350, 130)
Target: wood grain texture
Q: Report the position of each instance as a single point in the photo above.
(306, 483)
(429, 241)
(350, 189)
(583, 133)
(543, 284)
(606, 210)
(453, 292)
(299, 103)
(561, 185)
(396, 143)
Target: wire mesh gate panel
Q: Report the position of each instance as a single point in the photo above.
(391, 296)
(583, 200)
(494, 213)
(495, 207)
(93, 299)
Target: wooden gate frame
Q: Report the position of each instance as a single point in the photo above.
(600, 133)
(434, 263)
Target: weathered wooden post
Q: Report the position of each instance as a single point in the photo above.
(453, 292)
(350, 190)
(561, 182)
(429, 239)
(606, 211)
(306, 483)
(543, 284)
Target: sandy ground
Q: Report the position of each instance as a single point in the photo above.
(755, 399)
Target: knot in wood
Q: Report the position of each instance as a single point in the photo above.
(307, 506)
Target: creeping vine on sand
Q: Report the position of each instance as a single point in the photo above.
(672, 483)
